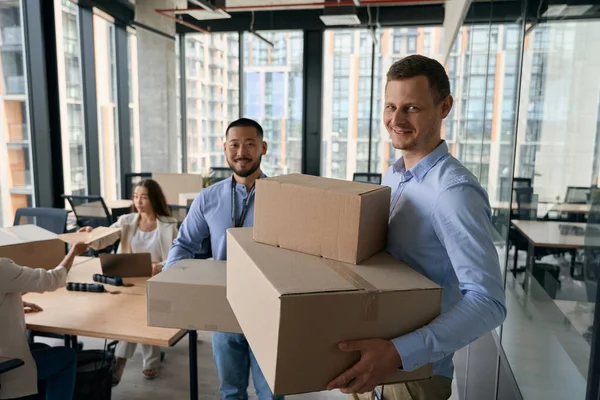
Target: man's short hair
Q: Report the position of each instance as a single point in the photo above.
(246, 123)
(418, 65)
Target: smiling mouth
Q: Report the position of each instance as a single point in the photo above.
(402, 131)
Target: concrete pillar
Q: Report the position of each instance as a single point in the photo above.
(157, 78)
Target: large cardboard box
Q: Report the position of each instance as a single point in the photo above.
(173, 184)
(98, 239)
(296, 308)
(191, 295)
(335, 219)
(31, 246)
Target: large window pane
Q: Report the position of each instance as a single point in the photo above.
(106, 88)
(347, 67)
(134, 107)
(551, 304)
(16, 176)
(212, 89)
(71, 97)
(273, 96)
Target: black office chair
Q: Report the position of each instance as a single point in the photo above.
(51, 219)
(8, 364)
(367, 177)
(90, 210)
(131, 179)
(526, 210)
(179, 212)
(578, 195)
(505, 185)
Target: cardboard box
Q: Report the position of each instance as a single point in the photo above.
(98, 239)
(296, 308)
(191, 295)
(31, 246)
(173, 184)
(335, 219)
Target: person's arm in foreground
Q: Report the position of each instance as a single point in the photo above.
(462, 223)
(18, 279)
(194, 230)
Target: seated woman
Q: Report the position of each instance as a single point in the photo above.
(54, 366)
(150, 229)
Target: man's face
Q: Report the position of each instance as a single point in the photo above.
(411, 117)
(244, 150)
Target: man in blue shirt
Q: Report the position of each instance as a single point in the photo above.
(227, 204)
(440, 225)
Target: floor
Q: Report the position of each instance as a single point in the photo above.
(173, 380)
(545, 339)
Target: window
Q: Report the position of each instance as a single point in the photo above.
(16, 154)
(273, 96)
(106, 86)
(213, 101)
(71, 98)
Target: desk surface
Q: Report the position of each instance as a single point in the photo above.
(112, 204)
(547, 234)
(572, 208)
(120, 316)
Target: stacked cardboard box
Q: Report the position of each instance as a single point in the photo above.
(295, 287)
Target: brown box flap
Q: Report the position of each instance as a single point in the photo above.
(97, 239)
(315, 182)
(190, 272)
(291, 272)
(24, 234)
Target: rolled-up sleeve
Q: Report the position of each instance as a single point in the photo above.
(461, 219)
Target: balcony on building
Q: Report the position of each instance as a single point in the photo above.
(18, 135)
(10, 38)
(15, 84)
(21, 181)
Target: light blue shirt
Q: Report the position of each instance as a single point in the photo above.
(210, 215)
(440, 225)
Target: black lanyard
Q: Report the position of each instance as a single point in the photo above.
(245, 208)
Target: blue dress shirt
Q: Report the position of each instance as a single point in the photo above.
(210, 215)
(440, 225)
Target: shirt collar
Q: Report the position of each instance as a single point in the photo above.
(425, 164)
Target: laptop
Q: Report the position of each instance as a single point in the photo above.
(126, 265)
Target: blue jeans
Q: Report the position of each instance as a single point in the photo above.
(234, 359)
(56, 370)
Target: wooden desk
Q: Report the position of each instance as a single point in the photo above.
(502, 205)
(547, 234)
(120, 315)
(572, 208)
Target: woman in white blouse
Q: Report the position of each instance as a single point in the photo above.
(56, 366)
(150, 229)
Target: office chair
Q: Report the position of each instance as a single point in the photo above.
(90, 210)
(218, 174)
(367, 177)
(578, 195)
(179, 212)
(51, 219)
(505, 184)
(131, 179)
(8, 364)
